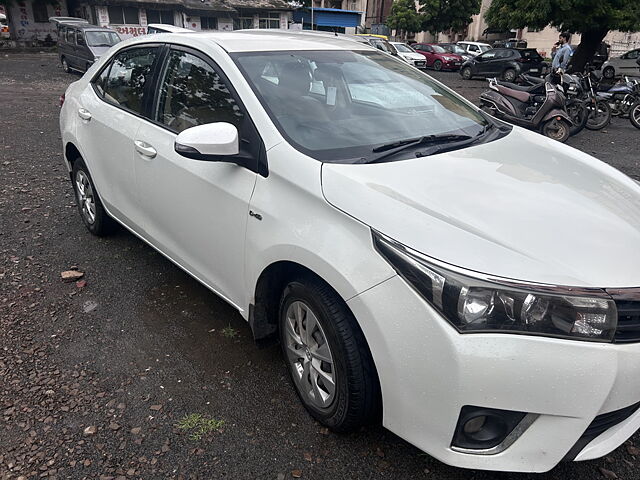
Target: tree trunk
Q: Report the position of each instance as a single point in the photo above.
(588, 45)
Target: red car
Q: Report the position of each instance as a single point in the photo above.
(437, 57)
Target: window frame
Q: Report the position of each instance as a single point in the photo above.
(208, 20)
(151, 96)
(147, 92)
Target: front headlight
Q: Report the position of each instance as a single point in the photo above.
(473, 305)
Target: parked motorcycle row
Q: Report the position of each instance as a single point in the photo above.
(561, 105)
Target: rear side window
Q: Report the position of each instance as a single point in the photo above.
(129, 73)
(192, 93)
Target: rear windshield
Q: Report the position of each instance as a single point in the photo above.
(530, 54)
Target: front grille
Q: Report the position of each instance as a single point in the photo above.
(628, 329)
(601, 424)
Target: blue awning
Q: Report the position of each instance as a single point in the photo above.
(328, 17)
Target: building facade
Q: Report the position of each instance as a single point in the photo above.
(130, 18)
(29, 21)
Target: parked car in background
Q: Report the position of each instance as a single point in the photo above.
(475, 48)
(376, 41)
(457, 49)
(506, 63)
(438, 58)
(4, 26)
(401, 245)
(623, 65)
(165, 28)
(82, 44)
(510, 43)
(410, 55)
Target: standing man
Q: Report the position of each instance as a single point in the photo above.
(563, 54)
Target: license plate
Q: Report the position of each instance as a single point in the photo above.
(457, 63)
(420, 64)
(533, 70)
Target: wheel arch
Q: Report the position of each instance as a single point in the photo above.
(263, 312)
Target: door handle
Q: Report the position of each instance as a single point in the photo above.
(84, 114)
(145, 149)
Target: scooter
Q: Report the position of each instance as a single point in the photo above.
(528, 107)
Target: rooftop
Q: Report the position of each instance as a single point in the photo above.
(270, 40)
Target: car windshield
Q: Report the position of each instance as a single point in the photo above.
(337, 106)
(455, 49)
(438, 49)
(484, 48)
(102, 39)
(401, 47)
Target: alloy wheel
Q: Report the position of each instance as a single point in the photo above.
(86, 197)
(309, 356)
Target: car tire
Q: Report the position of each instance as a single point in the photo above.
(466, 73)
(609, 72)
(557, 129)
(65, 65)
(509, 75)
(634, 115)
(330, 365)
(93, 214)
(437, 65)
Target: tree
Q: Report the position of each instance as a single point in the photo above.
(441, 15)
(591, 18)
(404, 17)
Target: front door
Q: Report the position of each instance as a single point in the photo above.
(196, 211)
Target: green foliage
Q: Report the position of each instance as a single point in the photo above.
(229, 332)
(571, 15)
(442, 15)
(199, 425)
(404, 17)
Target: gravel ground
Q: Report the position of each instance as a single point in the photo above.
(96, 375)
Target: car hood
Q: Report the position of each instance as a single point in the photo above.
(98, 51)
(412, 56)
(523, 207)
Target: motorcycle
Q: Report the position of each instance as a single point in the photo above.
(531, 107)
(621, 96)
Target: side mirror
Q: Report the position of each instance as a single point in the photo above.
(211, 141)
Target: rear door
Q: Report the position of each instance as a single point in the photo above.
(110, 112)
(196, 211)
(85, 59)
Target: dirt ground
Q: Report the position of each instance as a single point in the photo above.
(97, 377)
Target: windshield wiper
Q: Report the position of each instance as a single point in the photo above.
(389, 149)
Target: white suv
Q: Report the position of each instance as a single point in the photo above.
(475, 284)
(475, 48)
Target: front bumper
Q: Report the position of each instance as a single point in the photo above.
(451, 65)
(428, 372)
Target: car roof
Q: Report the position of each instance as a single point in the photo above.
(269, 40)
(169, 28)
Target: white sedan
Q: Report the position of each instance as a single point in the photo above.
(410, 55)
(472, 284)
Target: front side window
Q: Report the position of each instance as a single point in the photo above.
(80, 38)
(71, 35)
(130, 71)
(192, 93)
(337, 106)
(633, 54)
